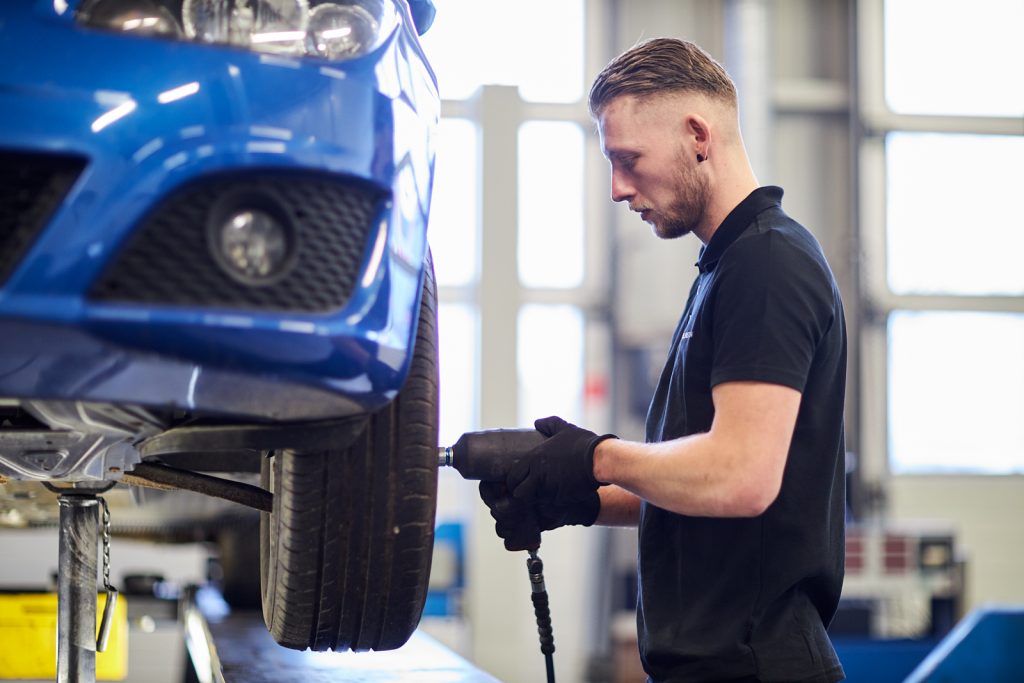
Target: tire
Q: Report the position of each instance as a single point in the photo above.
(345, 554)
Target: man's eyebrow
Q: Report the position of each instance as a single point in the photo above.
(617, 154)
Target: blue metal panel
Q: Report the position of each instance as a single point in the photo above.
(987, 645)
(446, 600)
(869, 660)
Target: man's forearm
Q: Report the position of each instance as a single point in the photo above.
(681, 476)
(733, 470)
(619, 507)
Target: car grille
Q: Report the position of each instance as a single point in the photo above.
(168, 259)
(31, 188)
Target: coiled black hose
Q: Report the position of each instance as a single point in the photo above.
(539, 597)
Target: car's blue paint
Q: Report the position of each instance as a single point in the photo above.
(371, 118)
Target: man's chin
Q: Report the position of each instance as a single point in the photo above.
(668, 232)
(661, 229)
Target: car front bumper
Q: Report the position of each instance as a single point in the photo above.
(146, 121)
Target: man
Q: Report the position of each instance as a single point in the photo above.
(739, 489)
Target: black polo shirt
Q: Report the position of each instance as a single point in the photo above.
(725, 599)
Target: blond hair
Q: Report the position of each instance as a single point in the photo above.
(661, 66)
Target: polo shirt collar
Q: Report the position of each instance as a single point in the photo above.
(735, 223)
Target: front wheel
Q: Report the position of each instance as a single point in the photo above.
(345, 554)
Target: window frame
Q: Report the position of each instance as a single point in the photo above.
(497, 295)
(876, 121)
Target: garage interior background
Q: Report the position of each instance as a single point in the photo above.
(895, 127)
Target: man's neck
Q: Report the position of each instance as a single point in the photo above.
(738, 182)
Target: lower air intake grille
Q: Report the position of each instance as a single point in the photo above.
(168, 259)
(31, 188)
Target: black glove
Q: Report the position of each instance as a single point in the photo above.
(560, 471)
(519, 523)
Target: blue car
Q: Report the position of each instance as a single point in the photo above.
(213, 259)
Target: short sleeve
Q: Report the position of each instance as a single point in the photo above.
(771, 307)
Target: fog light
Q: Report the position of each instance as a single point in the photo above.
(252, 245)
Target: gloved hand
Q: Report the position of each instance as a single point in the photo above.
(559, 471)
(519, 523)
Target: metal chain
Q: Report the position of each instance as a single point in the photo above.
(106, 543)
(107, 621)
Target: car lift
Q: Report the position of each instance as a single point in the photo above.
(80, 503)
(76, 583)
(235, 647)
(223, 647)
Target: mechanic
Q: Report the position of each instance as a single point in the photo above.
(738, 491)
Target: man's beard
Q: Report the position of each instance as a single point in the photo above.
(687, 210)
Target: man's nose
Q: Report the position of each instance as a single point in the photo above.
(621, 190)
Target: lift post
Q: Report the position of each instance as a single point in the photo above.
(76, 587)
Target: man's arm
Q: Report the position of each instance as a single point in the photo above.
(619, 507)
(734, 470)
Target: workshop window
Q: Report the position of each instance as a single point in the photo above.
(941, 161)
(458, 342)
(948, 57)
(455, 204)
(534, 44)
(951, 228)
(454, 241)
(550, 362)
(516, 224)
(956, 392)
(550, 204)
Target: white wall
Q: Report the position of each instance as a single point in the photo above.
(987, 515)
(30, 556)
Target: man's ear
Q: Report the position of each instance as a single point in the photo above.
(698, 134)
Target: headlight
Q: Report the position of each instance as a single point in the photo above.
(142, 17)
(331, 29)
(342, 31)
(271, 25)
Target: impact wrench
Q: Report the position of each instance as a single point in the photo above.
(488, 456)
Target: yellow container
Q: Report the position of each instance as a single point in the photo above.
(28, 638)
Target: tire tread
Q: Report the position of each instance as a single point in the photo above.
(334, 574)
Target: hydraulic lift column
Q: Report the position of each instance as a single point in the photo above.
(76, 588)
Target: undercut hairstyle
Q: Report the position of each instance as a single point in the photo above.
(661, 66)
